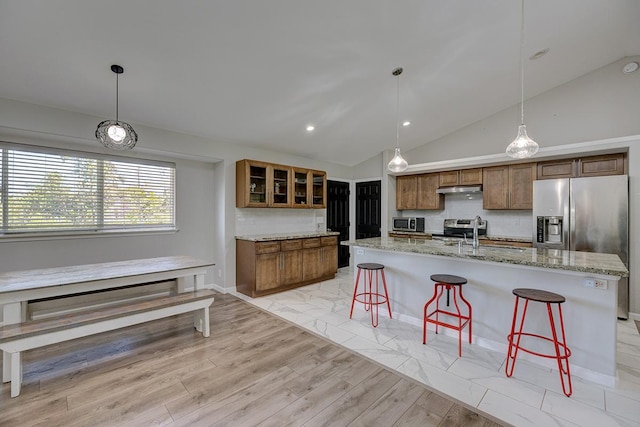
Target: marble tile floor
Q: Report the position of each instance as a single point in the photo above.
(532, 397)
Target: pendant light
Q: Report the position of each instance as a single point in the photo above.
(398, 163)
(523, 146)
(115, 134)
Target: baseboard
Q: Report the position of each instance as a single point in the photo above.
(634, 316)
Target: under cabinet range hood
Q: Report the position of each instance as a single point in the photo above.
(460, 189)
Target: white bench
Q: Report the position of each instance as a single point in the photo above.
(19, 337)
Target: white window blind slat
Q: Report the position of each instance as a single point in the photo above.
(58, 190)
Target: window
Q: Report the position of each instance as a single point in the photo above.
(49, 190)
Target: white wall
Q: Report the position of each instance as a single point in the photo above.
(206, 209)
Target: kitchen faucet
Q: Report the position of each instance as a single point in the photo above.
(476, 223)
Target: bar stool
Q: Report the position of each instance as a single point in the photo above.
(449, 283)
(368, 297)
(562, 357)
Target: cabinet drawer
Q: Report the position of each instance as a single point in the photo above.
(267, 247)
(311, 243)
(291, 245)
(329, 240)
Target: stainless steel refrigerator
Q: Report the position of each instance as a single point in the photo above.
(585, 214)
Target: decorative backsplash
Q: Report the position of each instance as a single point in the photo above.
(499, 223)
(268, 221)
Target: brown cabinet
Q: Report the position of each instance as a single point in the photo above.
(461, 177)
(266, 267)
(418, 192)
(508, 187)
(608, 164)
(262, 185)
(267, 185)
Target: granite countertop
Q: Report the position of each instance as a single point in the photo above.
(586, 262)
(286, 236)
(495, 238)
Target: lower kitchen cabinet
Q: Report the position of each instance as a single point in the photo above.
(265, 267)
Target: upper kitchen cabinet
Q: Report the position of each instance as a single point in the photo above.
(508, 187)
(309, 188)
(418, 192)
(461, 177)
(609, 164)
(263, 185)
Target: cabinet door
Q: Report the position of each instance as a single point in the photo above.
(470, 176)
(311, 263)
(449, 178)
(300, 191)
(495, 191)
(290, 267)
(280, 195)
(252, 184)
(556, 169)
(611, 164)
(521, 179)
(318, 190)
(406, 192)
(329, 260)
(427, 198)
(267, 271)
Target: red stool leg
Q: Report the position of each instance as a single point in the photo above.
(355, 291)
(374, 304)
(562, 369)
(441, 287)
(426, 307)
(386, 293)
(470, 313)
(512, 352)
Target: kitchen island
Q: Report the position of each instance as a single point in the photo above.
(493, 272)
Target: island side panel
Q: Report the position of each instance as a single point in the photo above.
(589, 314)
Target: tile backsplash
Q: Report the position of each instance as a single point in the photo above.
(270, 221)
(499, 223)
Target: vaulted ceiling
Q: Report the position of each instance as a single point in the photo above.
(257, 72)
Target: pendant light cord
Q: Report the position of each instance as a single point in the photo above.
(117, 92)
(522, 64)
(398, 112)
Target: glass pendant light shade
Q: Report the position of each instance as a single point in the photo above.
(115, 134)
(523, 146)
(398, 163)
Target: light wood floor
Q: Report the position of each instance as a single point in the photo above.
(255, 369)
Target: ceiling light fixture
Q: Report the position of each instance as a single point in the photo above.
(115, 134)
(523, 146)
(406, 123)
(539, 54)
(630, 67)
(311, 128)
(398, 163)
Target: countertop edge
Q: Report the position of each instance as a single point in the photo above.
(286, 236)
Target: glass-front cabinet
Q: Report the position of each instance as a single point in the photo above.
(267, 185)
(318, 188)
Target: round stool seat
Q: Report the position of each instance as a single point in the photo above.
(370, 266)
(449, 279)
(539, 295)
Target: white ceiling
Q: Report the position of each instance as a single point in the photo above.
(256, 72)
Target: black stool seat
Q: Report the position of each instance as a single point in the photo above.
(370, 266)
(539, 295)
(449, 279)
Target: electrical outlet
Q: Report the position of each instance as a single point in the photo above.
(590, 282)
(359, 251)
(601, 284)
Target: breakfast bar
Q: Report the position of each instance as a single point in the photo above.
(587, 280)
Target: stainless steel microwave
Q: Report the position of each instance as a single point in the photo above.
(408, 224)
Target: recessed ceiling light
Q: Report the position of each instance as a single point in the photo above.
(311, 128)
(406, 123)
(630, 67)
(539, 54)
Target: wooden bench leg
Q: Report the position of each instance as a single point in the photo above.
(6, 367)
(205, 317)
(12, 313)
(16, 373)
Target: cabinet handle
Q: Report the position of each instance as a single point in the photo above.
(281, 261)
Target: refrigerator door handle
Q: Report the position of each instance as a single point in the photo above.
(571, 234)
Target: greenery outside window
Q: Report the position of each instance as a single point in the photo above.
(45, 190)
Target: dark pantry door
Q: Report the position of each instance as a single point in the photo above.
(338, 216)
(368, 211)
